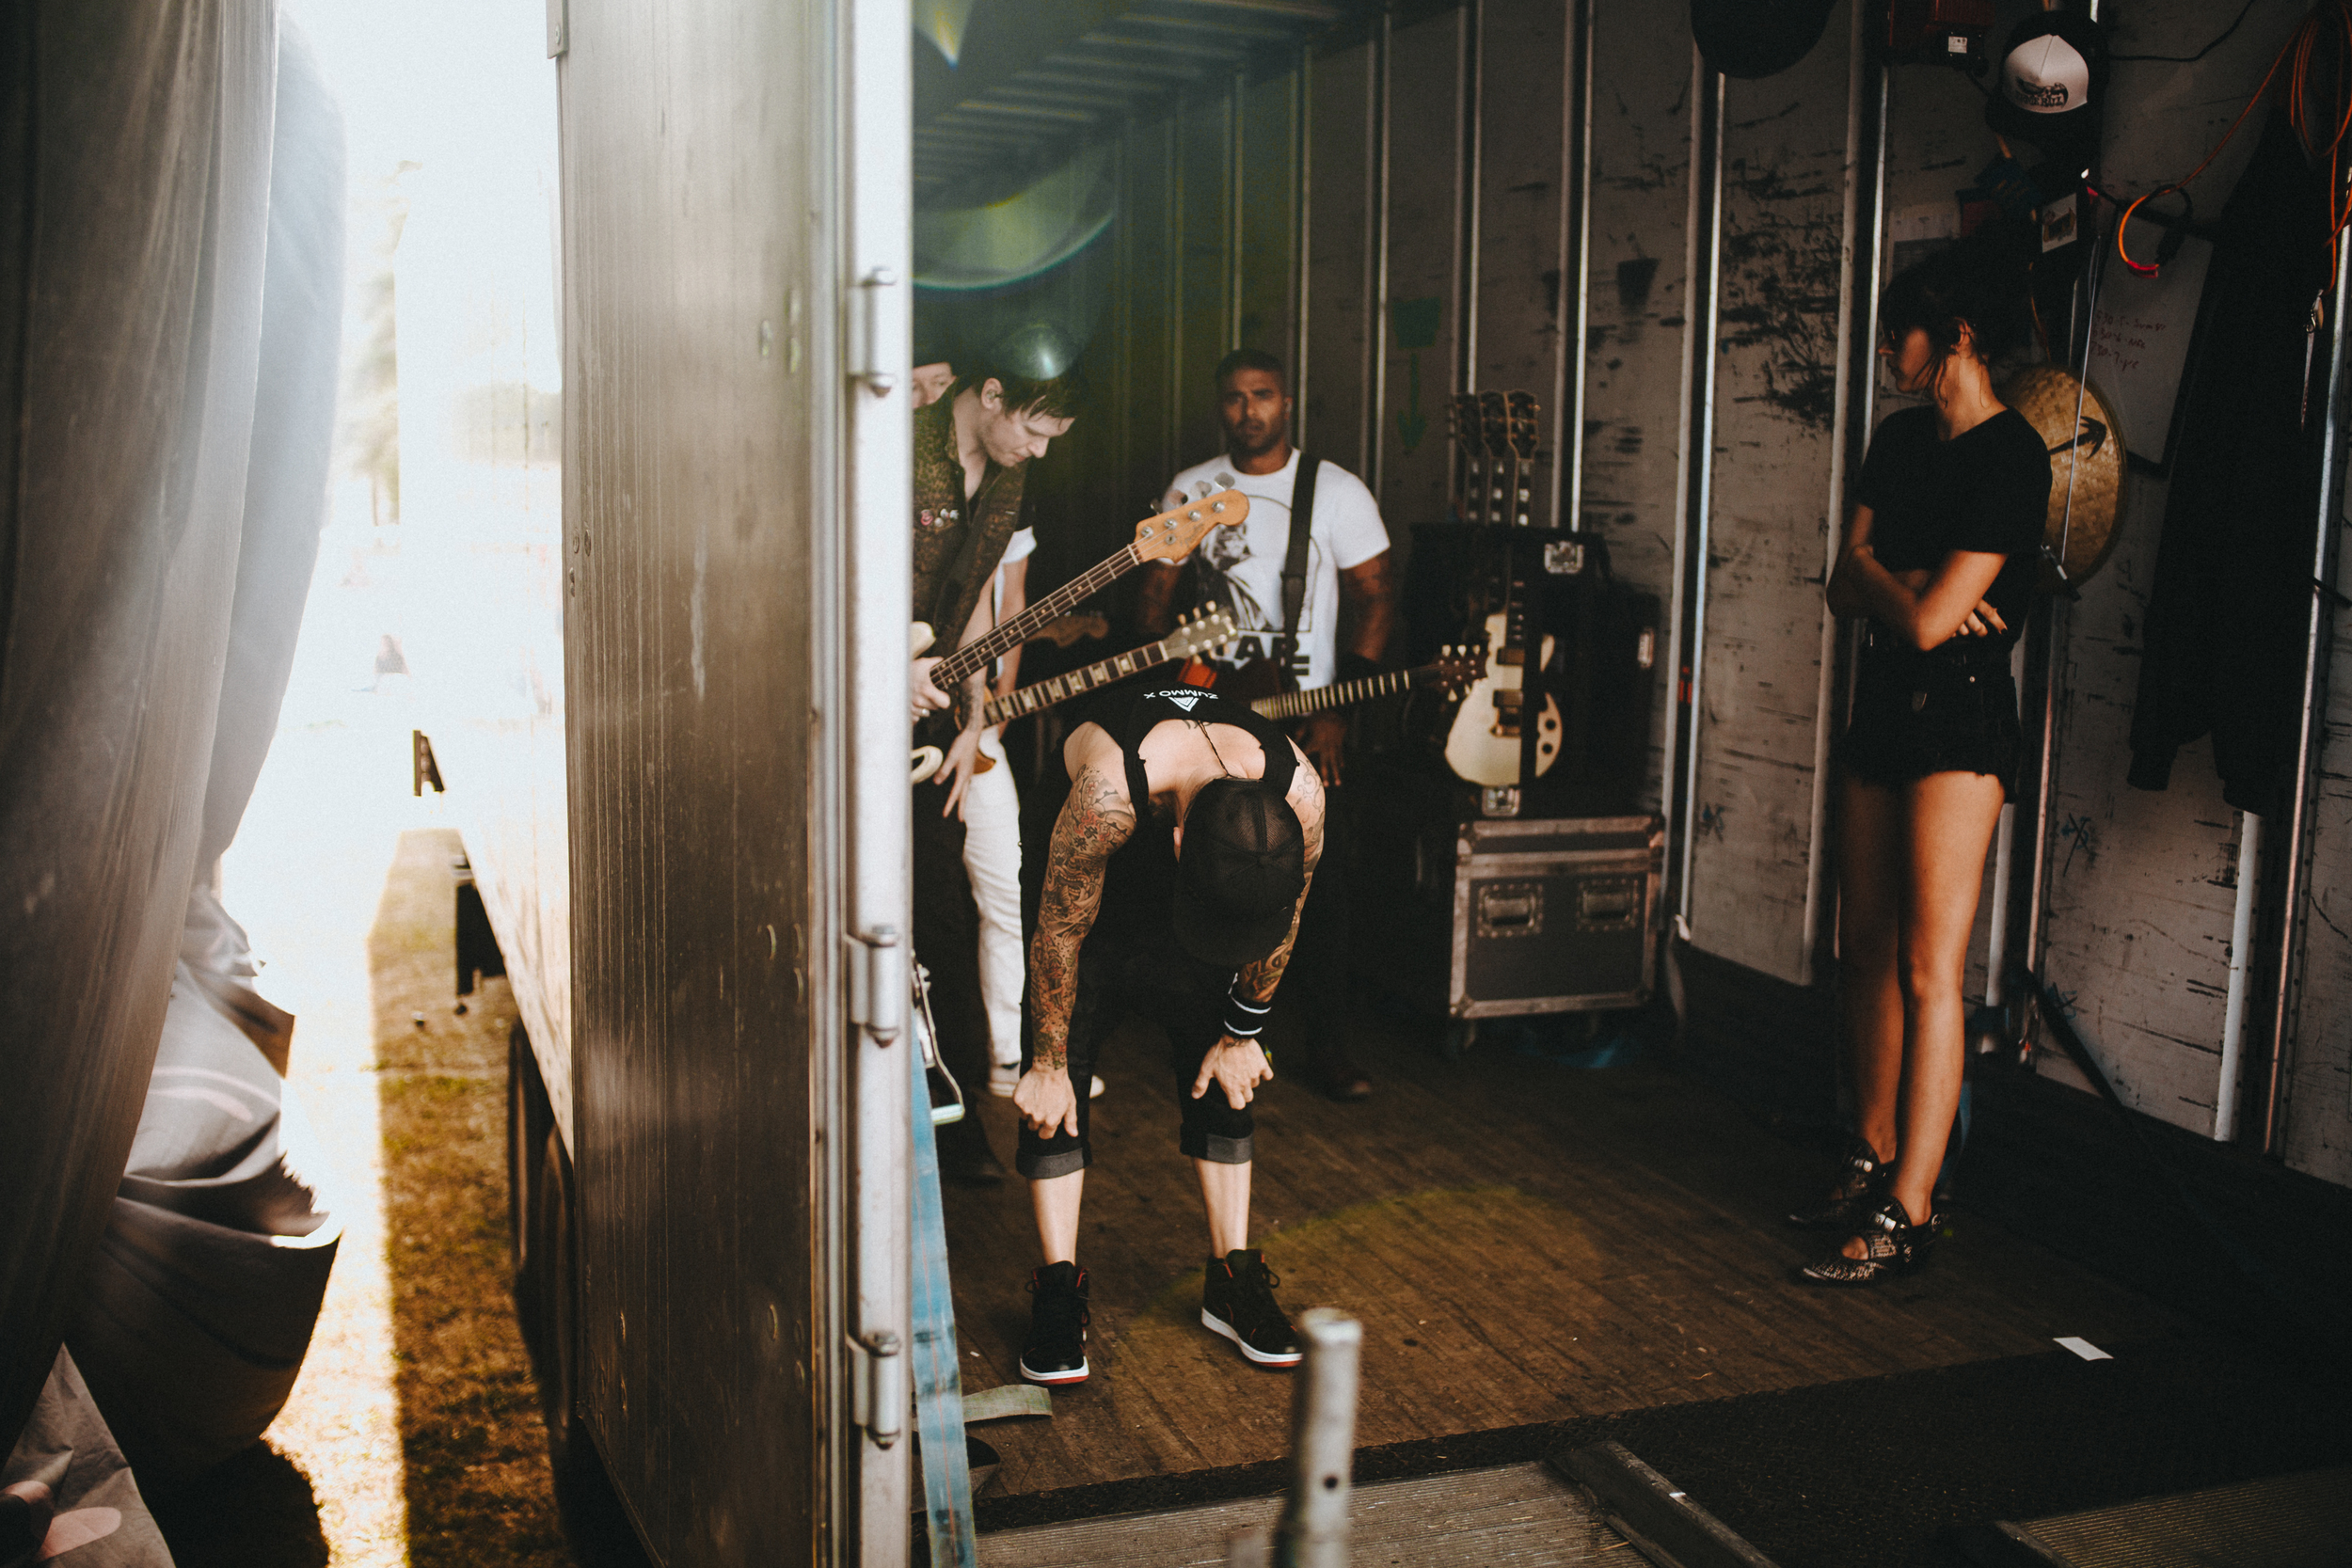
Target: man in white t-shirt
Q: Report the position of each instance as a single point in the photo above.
(1345, 623)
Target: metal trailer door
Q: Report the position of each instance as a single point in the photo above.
(736, 494)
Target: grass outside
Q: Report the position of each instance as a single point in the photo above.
(480, 1491)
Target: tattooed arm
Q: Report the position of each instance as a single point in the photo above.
(1257, 981)
(1238, 1067)
(1095, 821)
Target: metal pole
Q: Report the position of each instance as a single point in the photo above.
(1576, 255)
(1852, 257)
(1236, 153)
(1469, 88)
(1302, 230)
(1703, 491)
(1313, 1529)
(1376, 255)
(2249, 842)
(2315, 641)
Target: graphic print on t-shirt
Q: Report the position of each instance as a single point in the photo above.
(1251, 591)
(1241, 569)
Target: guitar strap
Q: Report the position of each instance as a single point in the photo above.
(1295, 564)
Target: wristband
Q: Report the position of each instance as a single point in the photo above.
(1245, 1019)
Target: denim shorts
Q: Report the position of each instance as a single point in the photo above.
(1914, 716)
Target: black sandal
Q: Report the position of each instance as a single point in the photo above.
(1895, 1246)
(1861, 1184)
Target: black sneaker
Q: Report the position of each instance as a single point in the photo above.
(1057, 1350)
(1237, 1301)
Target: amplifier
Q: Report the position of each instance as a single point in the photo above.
(1554, 915)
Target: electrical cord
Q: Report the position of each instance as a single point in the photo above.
(2308, 95)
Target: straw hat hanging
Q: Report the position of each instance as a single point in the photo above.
(2087, 469)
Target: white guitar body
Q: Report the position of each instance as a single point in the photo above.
(1483, 745)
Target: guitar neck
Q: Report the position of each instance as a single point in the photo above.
(1298, 704)
(1062, 688)
(977, 655)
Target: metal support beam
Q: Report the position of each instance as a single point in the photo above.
(2315, 644)
(1706, 177)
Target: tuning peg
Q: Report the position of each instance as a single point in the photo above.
(1225, 481)
(1202, 490)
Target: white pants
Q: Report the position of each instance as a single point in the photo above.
(991, 858)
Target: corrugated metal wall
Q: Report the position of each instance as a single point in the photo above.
(1439, 163)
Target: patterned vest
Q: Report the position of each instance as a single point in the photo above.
(957, 543)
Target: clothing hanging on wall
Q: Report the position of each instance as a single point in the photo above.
(2223, 640)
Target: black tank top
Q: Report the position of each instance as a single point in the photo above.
(1139, 883)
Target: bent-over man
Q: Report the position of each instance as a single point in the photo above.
(1172, 887)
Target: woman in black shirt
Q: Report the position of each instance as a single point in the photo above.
(1939, 560)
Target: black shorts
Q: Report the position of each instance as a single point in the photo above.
(1914, 716)
(1157, 980)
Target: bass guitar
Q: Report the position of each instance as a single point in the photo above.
(1170, 535)
(1214, 630)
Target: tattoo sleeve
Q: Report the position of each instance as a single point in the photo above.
(1257, 982)
(1095, 822)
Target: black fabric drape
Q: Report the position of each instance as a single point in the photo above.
(2223, 642)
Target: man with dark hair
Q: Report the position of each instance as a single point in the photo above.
(1340, 595)
(972, 448)
(1172, 888)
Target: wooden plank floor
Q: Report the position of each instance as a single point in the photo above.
(1519, 1515)
(1524, 1242)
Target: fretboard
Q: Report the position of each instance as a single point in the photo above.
(1061, 688)
(1298, 704)
(977, 655)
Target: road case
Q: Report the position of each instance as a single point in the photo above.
(1554, 915)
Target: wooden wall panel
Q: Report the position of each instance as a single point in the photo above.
(1335, 409)
(1785, 160)
(1268, 237)
(1425, 193)
(697, 299)
(1205, 203)
(1639, 311)
(2142, 885)
(1524, 314)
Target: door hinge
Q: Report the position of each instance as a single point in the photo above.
(878, 984)
(877, 1386)
(877, 362)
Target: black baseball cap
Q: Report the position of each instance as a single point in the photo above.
(1240, 868)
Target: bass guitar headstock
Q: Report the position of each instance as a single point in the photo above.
(1211, 626)
(1171, 535)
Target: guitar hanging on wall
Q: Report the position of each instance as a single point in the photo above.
(1170, 535)
(1497, 485)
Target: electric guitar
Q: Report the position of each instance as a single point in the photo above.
(1484, 744)
(1452, 671)
(1170, 535)
(1214, 630)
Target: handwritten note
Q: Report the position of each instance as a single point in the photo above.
(2139, 341)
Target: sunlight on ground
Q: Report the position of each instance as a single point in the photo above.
(304, 876)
